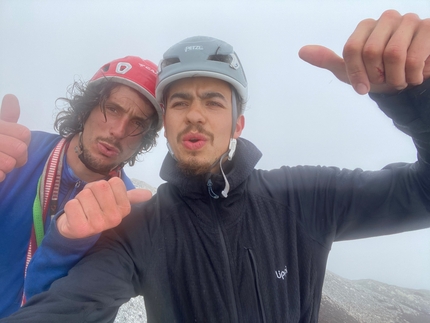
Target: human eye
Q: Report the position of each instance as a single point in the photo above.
(214, 104)
(139, 127)
(178, 104)
(111, 109)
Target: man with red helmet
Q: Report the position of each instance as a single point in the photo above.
(106, 124)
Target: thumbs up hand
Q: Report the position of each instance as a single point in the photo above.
(14, 138)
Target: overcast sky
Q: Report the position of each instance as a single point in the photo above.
(296, 114)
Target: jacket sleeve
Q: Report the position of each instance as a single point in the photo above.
(109, 274)
(56, 255)
(92, 291)
(333, 204)
(396, 198)
(410, 112)
(53, 259)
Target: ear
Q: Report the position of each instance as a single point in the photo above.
(240, 124)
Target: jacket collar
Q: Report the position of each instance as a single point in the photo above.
(237, 170)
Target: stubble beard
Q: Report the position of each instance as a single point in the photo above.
(192, 167)
(95, 163)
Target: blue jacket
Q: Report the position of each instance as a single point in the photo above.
(17, 194)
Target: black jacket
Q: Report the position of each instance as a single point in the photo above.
(258, 255)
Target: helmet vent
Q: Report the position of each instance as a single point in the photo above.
(106, 68)
(229, 59)
(220, 58)
(169, 61)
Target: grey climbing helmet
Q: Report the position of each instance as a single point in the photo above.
(201, 56)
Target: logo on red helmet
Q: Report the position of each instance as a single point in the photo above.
(148, 68)
(123, 67)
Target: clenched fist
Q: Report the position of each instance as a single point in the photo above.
(98, 207)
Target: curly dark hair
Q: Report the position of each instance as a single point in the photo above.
(82, 99)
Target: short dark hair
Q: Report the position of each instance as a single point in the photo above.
(79, 103)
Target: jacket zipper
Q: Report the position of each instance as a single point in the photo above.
(68, 195)
(257, 284)
(229, 279)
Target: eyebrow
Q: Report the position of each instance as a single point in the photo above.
(133, 116)
(210, 95)
(204, 96)
(180, 95)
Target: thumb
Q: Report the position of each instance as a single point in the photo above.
(323, 57)
(10, 108)
(138, 195)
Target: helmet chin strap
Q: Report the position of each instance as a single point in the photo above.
(171, 151)
(232, 145)
(80, 151)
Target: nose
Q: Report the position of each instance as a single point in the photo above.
(119, 128)
(195, 113)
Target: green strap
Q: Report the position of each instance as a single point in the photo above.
(37, 217)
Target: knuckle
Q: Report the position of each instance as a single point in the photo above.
(115, 180)
(25, 134)
(351, 50)
(17, 132)
(86, 191)
(425, 23)
(20, 149)
(115, 219)
(98, 227)
(101, 185)
(414, 63)
(390, 14)
(372, 52)
(400, 86)
(355, 74)
(366, 23)
(394, 54)
(126, 209)
(414, 80)
(411, 18)
(69, 205)
(399, 83)
(7, 163)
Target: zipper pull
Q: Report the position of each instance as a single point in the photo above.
(210, 190)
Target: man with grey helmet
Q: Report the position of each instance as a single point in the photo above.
(224, 242)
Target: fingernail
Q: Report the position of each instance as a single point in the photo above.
(361, 88)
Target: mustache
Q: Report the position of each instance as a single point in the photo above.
(195, 128)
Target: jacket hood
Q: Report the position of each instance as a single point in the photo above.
(237, 170)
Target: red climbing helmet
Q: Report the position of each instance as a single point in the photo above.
(134, 72)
